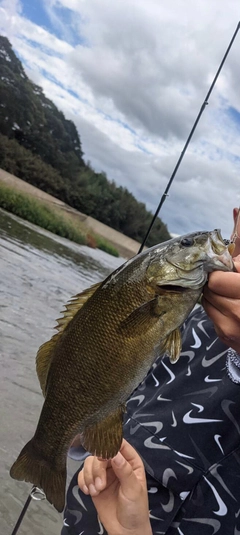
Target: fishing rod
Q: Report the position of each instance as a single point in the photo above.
(204, 104)
(36, 493)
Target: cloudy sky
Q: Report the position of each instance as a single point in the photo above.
(132, 75)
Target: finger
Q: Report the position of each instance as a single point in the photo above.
(81, 482)
(131, 456)
(94, 473)
(226, 328)
(214, 312)
(99, 473)
(225, 283)
(229, 307)
(225, 305)
(131, 485)
(85, 477)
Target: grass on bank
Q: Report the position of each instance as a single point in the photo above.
(35, 211)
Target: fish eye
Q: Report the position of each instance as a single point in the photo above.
(187, 242)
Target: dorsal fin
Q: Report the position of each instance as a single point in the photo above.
(72, 306)
(45, 352)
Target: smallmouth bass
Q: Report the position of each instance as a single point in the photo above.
(107, 340)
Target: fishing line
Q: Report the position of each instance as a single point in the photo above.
(204, 104)
(35, 492)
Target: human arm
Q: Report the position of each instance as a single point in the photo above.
(221, 300)
(119, 492)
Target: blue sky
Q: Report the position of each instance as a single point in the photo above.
(35, 11)
(132, 75)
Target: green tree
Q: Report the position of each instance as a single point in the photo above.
(39, 145)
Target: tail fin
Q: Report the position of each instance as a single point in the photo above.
(31, 467)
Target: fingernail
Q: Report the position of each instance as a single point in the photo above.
(92, 489)
(118, 459)
(98, 483)
(85, 489)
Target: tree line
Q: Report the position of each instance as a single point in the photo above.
(39, 145)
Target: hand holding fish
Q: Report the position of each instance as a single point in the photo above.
(221, 300)
(118, 490)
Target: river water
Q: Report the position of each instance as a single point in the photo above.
(39, 272)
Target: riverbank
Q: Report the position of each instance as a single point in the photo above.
(125, 246)
(36, 212)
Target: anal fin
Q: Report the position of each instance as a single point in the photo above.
(104, 438)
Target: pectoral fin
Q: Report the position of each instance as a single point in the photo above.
(104, 439)
(46, 350)
(172, 345)
(140, 319)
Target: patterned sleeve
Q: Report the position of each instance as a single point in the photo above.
(184, 421)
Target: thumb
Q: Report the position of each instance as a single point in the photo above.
(131, 485)
(236, 260)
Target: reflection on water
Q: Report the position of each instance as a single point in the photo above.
(39, 272)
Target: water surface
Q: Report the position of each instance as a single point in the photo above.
(39, 272)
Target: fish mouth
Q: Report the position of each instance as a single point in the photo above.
(172, 288)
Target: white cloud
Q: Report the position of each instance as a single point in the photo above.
(134, 86)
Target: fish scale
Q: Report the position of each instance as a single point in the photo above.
(107, 340)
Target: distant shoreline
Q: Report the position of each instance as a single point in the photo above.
(126, 247)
